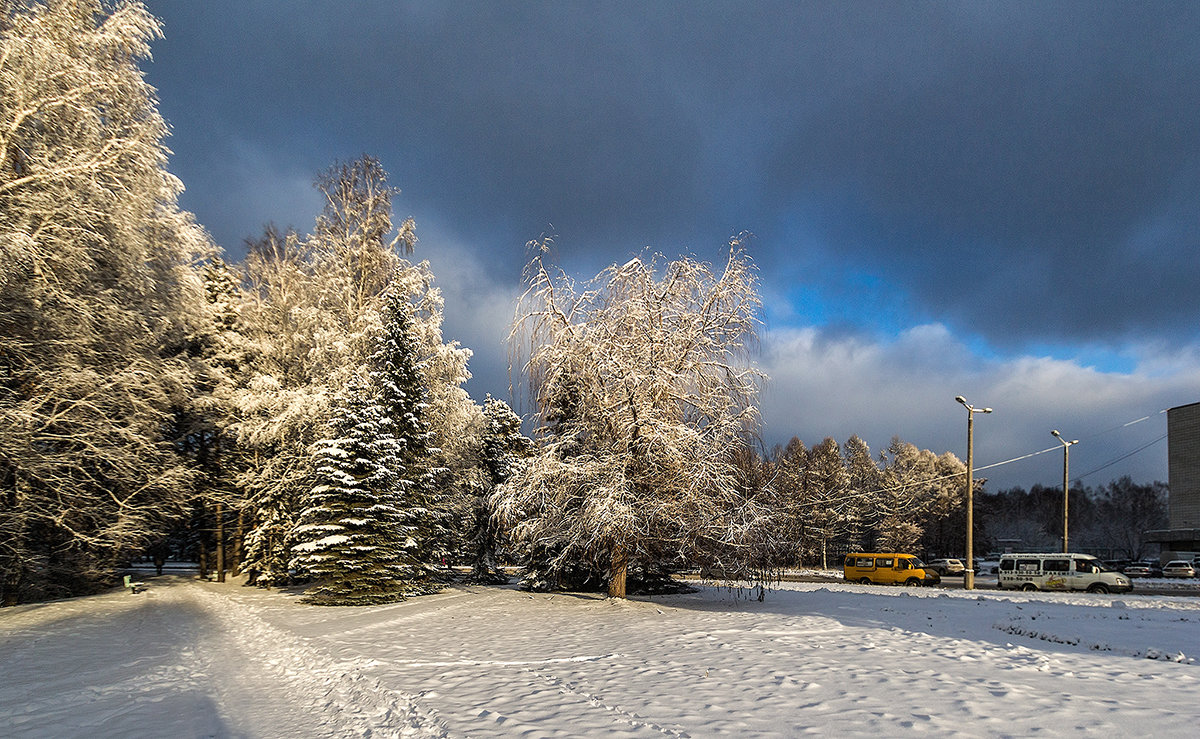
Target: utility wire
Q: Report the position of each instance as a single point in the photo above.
(1122, 457)
(1110, 463)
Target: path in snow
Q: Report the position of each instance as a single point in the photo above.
(205, 659)
(181, 660)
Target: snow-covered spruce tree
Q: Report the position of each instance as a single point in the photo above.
(356, 538)
(642, 473)
(503, 452)
(314, 311)
(399, 382)
(98, 298)
(311, 315)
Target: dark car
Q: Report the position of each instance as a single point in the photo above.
(1144, 569)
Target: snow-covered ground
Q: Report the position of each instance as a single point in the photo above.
(192, 659)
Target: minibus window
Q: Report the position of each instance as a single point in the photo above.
(1028, 565)
(1057, 565)
(1086, 565)
(865, 562)
(883, 561)
(1007, 565)
(902, 564)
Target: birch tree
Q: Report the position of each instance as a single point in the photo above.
(315, 307)
(99, 297)
(648, 361)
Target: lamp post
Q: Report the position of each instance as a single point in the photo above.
(1066, 466)
(969, 574)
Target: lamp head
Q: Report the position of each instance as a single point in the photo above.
(960, 399)
(1055, 433)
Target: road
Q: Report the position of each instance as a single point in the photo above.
(1141, 585)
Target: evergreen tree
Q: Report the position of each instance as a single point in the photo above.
(504, 449)
(825, 482)
(863, 480)
(397, 371)
(359, 542)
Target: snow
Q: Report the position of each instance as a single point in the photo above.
(189, 658)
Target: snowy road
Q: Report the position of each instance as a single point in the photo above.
(191, 659)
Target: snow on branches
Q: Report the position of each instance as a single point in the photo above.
(644, 389)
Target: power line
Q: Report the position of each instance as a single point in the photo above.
(1122, 457)
(1110, 463)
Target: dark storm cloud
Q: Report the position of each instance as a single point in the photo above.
(1030, 173)
(1025, 171)
(999, 200)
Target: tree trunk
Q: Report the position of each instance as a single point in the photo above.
(239, 542)
(220, 511)
(620, 566)
(10, 588)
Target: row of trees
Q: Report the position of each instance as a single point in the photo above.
(100, 300)
(300, 417)
(153, 396)
(831, 499)
(1110, 520)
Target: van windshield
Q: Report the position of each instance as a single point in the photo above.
(916, 563)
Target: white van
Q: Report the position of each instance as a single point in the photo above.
(1060, 572)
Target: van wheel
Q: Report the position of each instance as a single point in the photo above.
(1098, 588)
(865, 581)
(913, 582)
(1028, 587)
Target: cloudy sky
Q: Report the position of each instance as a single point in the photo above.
(995, 200)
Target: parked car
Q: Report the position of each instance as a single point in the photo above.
(1178, 568)
(1144, 569)
(948, 566)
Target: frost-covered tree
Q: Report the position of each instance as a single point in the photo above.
(918, 486)
(314, 312)
(788, 506)
(228, 358)
(503, 451)
(311, 316)
(863, 485)
(398, 378)
(357, 536)
(99, 298)
(826, 496)
(651, 356)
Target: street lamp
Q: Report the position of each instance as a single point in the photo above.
(969, 574)
(1066, 466)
